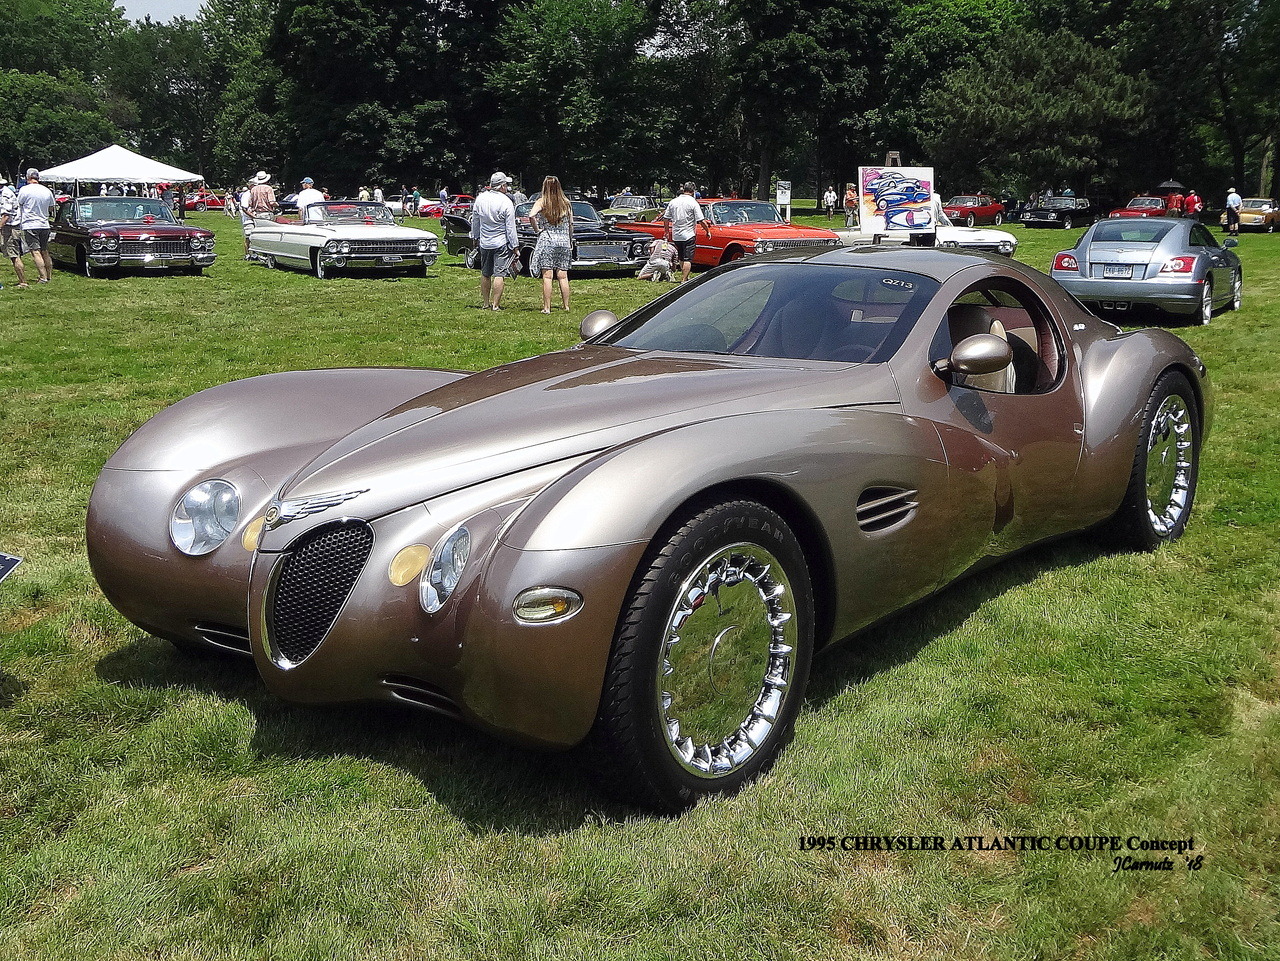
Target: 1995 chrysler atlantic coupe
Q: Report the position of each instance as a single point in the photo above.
(639, 542)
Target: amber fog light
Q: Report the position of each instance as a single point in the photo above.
(408, 564)
(542, 605)
(252, 534)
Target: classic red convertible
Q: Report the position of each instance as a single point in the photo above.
(970, 209)
(201, 200)
(1142, 207)
(741, 227)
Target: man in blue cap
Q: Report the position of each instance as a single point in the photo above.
(307, 196)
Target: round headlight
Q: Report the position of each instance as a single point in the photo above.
(345, 247)
(331, 246)
(113, 241)
(204, 517)
(448, 561)
(422, 246)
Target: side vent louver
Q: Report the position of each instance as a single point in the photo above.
(880, 508)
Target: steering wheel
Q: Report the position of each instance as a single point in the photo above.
(852, 353)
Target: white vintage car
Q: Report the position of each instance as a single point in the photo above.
(343, 234)
(947, 235)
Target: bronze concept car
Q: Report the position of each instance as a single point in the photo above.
(637, 544)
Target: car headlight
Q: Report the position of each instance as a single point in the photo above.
(345, 247)
(422, 246)
(448, 561)
(113, 242)
(204, 517)
(331, 246)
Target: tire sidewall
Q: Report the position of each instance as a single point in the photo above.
(680, 552)
(1170, 384)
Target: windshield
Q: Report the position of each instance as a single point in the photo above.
(1143, 203)
(1254, 203)
(1060, 203)
(790, 311)
(1134, 230)
(744, 212)
(349, 213)
(123, 210)
(962, 202)
(633, 203)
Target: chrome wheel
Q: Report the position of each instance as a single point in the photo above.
(1205, 313)
(1066, 223)
(969, 221)
(317, 264)
(1170, 462)
(726, 659)
(1237, 291)
(709, 663)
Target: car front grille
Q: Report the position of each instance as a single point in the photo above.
(163, 249)
(384, 248)
(804, 242)
(603, 251)
(315, 580)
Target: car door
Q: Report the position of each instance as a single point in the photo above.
(1221, 261)
(1012, 439)
(66, 234)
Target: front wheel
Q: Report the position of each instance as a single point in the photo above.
(710, 660)
(1066, 223)
(202, 207)
(86, 265)
(318, 267)
(733, 253)
(1166, 464)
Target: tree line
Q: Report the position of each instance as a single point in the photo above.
(1107, 96)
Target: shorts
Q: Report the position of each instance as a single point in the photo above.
(37, 239)
(11, 239)
(685, 248)
(495, 261)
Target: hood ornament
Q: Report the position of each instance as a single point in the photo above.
(281, 512)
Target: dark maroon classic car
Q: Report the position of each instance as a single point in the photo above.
(99, 234)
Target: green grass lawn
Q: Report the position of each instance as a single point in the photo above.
(157, 806)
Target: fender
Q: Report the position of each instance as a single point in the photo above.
(1117, 376)
(626, 495)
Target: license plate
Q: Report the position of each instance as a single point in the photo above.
(391, 259)
(1117, 270)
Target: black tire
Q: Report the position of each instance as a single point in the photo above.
(86, 265)
(1066, 223)
(195, 271)
(663, 736)
(1205, 312)
(318, 268)
(1237, 290)
(201, 206)
(1271, 227)
(1170, 429)
(732, 254)
(999, 220)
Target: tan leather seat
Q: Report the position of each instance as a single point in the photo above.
(966, 320)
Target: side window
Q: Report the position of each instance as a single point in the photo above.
(1200, 237)
(1013, 313)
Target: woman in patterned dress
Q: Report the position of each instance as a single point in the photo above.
(552, 218)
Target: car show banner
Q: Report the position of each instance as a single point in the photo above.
(896, 199)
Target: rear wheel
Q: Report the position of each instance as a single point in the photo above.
(1166, 464)
(1237, 290)
(710, 660)
(1066, 223)
(999, 219)
(1205, 313)
(201, 206)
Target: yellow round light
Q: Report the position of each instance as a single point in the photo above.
(252, 534)
(408, 564)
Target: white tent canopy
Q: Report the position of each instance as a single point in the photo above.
(117, 165)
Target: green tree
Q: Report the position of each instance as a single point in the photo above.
(1029, 114)
(60, 121)
(69, 35)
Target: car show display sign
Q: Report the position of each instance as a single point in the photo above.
(894, 199)
(8, 563)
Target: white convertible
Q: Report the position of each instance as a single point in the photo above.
(948, 235)
(342, 234)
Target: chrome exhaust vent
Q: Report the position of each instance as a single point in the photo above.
(880, 508)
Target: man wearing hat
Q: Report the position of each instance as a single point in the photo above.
(683, 215)
(35, 200)
(493, 228)
(10, 236)
(307, 196)
(262, 199)
(1233, 212)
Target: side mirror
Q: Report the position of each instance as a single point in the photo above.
(1231, 242)
(597, 322)
(979, 354)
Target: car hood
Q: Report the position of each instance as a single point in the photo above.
(134, 231)
(366, 231)
(561, 406)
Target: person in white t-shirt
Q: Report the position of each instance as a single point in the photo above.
(683, 215)
(307, 196)
(35, 201)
